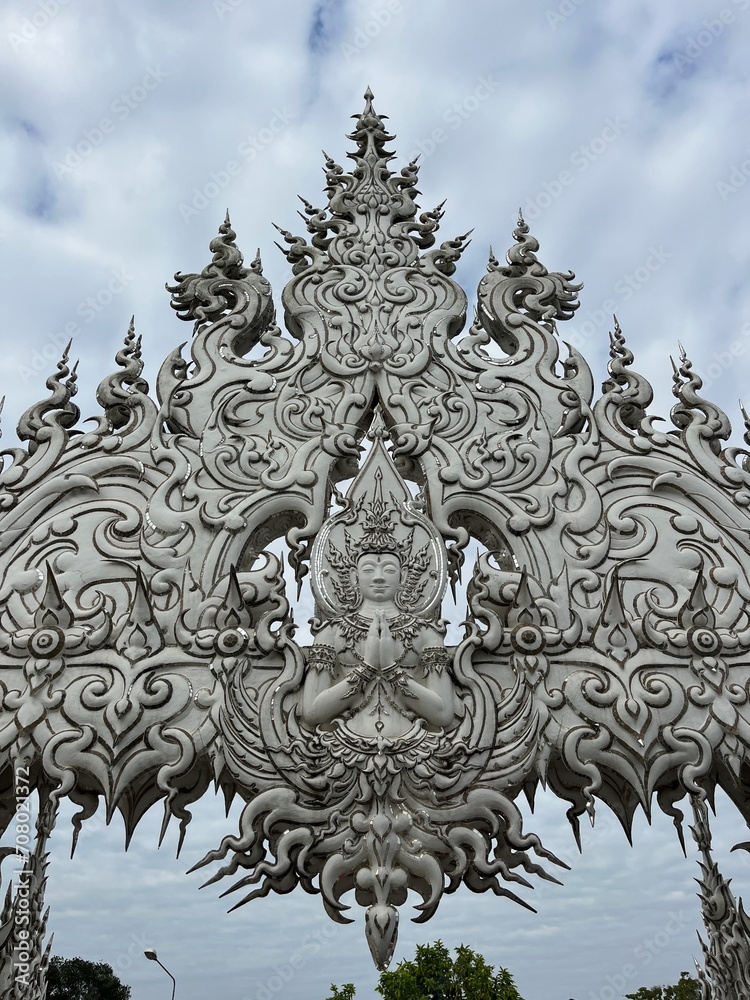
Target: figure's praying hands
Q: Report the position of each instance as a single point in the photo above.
(378, 668)
(380, 646)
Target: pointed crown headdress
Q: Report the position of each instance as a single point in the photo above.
(377, 529)
(379, 516)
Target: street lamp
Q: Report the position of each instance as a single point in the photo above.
(152, 956)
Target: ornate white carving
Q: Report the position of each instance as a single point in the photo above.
(146, 639)
(377, 741)
(24, 959)
(726, 975)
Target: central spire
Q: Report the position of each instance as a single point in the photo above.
(371, 219)
(370, 133)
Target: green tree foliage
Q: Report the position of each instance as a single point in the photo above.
(686, 989)
(77, 979)
(434, 975)
(345, 992)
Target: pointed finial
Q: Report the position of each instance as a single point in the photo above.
(377, 429)
(632, 393)
(613, 632)
(52, 608)
(140, 635)
(696, 611)
(233, 612)
(62, 386)
(369, 117)
(693, 411)
(524, 609)
(523, 252)
(370, 134)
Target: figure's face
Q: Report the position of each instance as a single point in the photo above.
(378, 577)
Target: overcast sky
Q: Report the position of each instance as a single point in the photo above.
(621, 129)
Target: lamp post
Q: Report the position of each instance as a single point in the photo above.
(153, 957)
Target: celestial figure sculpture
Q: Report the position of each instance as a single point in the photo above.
(147, 642)
(374, 667)
(379, 669)
(371, 728)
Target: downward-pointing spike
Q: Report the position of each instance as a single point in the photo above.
(164, 823)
